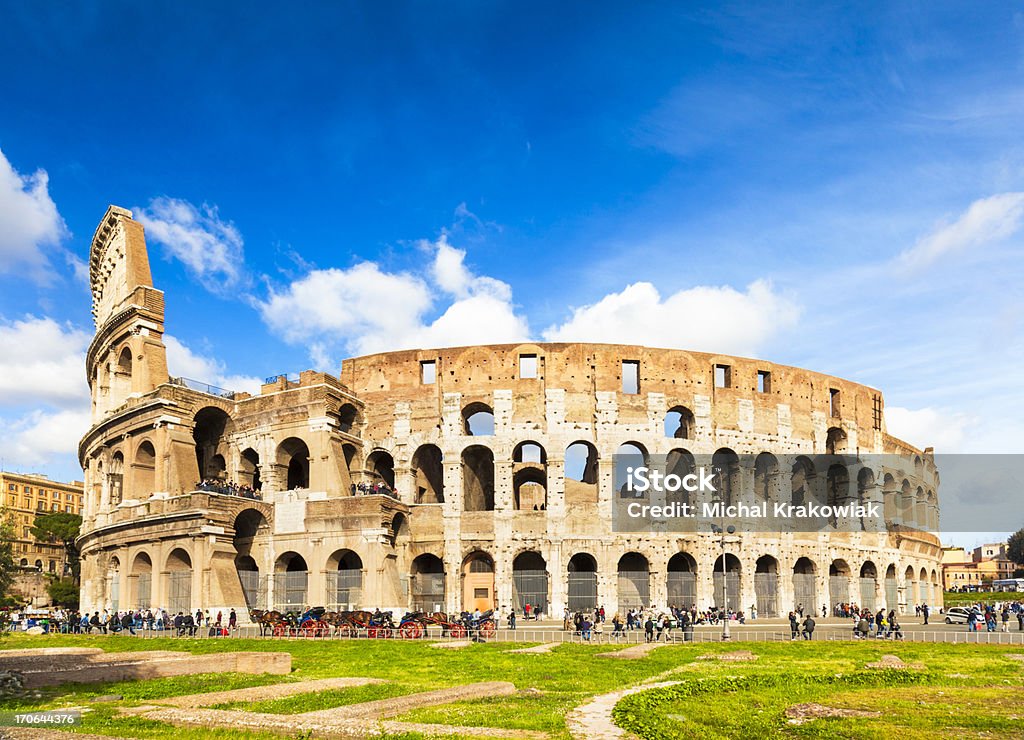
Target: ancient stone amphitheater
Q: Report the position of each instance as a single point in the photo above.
(471, 477)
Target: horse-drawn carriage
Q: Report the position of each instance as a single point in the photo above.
(318, 622)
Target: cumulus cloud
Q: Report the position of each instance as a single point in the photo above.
(183, 362)
(40, 436)
(210, 248)
(986, 220)
(29, 221)
(43, 362)
(366, 309)
(929, 427)
(713, 319)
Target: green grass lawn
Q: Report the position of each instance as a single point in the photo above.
(958, 599)
(965, 689)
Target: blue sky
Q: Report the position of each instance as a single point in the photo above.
(825, 185)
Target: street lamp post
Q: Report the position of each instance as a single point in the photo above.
(725, 582)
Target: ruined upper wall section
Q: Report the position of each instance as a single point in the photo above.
(118, 263)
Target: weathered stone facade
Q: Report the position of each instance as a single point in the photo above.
(518, 511)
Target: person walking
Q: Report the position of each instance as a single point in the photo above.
(926, 612)
(512, 619)
(649, 629)
(794, 626)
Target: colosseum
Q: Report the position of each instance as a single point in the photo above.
(449, 479)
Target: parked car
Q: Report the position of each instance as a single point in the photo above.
(959, 614)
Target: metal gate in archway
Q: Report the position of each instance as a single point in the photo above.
(634, 589)
(766, 591)
(727, 590)
(427, 592)
(253, 589)
(867, 594)
(891, 594)
(682, 589)
(179, 592)
(804, 592)
(582, 590)
(530, 587)
(838, 590)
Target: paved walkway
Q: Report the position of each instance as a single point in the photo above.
(593, 720)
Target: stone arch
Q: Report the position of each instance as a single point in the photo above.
(344, 580)
(293, 456)
(122, 375)
(680, 462)
(291, 582)
(582, 581)
(727, 577)
(629, 455)
(835, 441)
(530, 581)
(634, 581)
(891, 589)
(838, 583)
(802, 480)
(682, 580)
(726, 465)
(144, 470)
(890, 498)
(478, 478)
(805, 589)
(115, 478)
(381, 467)
(249, 469)
(868, 585)
(920, 508)
(766, 469)
(766, 586)
(427, 583)
(910, 586)
(398, 529)
(179, 581)
(679, 423)
(529, 477)
(211, 427)
(348, 417)
(581, 473)
(478, 581)
(478, 419)
(837, 489)
(428, 474)
(140, 579)
(906, 503)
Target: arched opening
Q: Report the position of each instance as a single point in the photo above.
(427, 583)
(344, 580)
(251, 535)
(890, 499)
(478, 420)
(680, 463)
(682, 580)
(936, 588)
(381, 467)
(920, 509)
(629, 456)
(805, 591)
(291, 582)
(398, 530)
(122, 381)
(348, 417)
(933, 513)
(835, 441)
(478, 582)
(580, 475)
(144, 470)
(802, 482)
(839, 584)
(923, 586)
(179, 582)
(249, 471)
(530, 582)
(766, 586)
(727, 582)
(141, 577)
(726, 465)
(529, 477)
(891, 589)
(906, 504)
(634, 581)
(210, 431)
(865, 491)
(679, 423)
(428, 472)
(293, 456)
(582, 582)
(766, 470)
(868, 585)
(478, 479)
(349, 454)
(115, 478)
(837, 485)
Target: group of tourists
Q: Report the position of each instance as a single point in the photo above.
(530, 611)
(375, 488)
(879, 625)
(996, 617)
(228, 488)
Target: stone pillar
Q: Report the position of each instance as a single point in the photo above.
(558, 570)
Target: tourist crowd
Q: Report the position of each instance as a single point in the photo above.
(229, 488)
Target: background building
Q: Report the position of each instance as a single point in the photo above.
(962, 570)
(23, 497)
(475, 477)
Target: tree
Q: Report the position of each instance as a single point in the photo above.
(60, 527)
(1015, 547)
(63, 592)
(6, 557)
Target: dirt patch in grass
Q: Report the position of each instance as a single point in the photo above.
(893, 663)
(800, 713)
(736, 656)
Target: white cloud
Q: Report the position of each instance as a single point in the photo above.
(705, 318)
(43, 362)
(41, 436)
(183, 362)
(210, 248)
(946, 431)
(366, 310)
(29, 221)
(986, 220)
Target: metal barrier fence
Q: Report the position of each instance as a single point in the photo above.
(702, 634)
